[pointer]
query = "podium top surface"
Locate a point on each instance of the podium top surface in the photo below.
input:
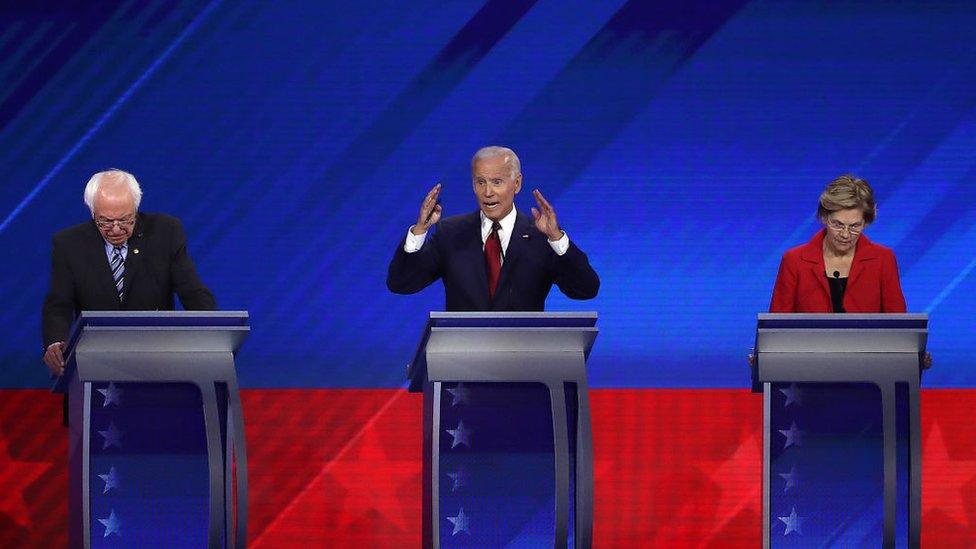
(121, 320)
(481, 332)
(134, 332)
(162, 318)
(494, 319)
(842, 321)
(841, 333)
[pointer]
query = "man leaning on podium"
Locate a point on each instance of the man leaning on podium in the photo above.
(497, 258)
(122, 259)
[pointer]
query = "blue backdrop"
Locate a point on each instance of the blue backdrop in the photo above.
(683, 145)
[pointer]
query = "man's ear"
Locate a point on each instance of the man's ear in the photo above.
(518, 183)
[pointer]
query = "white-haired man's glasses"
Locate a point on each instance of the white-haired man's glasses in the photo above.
(108, 224)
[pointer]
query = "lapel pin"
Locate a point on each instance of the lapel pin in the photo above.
(525, 236)
(135, 251)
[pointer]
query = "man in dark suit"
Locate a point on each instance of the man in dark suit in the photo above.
(120, 260)
(494, 259)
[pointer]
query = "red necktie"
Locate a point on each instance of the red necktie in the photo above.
(493, 259)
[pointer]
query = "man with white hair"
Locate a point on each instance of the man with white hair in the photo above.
(497, 258)
(122, 259)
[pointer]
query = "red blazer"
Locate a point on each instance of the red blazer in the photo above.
(872, 285)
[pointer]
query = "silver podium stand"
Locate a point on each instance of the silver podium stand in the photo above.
(508, 450)
(842, 435)
(156, 439)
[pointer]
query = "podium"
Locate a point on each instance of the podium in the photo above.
(508, 451)
(841, 428)
(156, 434)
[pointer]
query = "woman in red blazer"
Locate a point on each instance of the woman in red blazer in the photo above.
(840, 270)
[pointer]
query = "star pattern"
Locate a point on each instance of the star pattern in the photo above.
(659, 468)
(15, 477)
(461, 435)
(112, 395)
(460, 522)
(370, 479)
(794, 436)
(737, 476)
(112, 435)
(789, 478)
(112, 525)
(459, 478)
(946, 479)
(793, 522)
(792, 394)
(459, 394)
(111, 480)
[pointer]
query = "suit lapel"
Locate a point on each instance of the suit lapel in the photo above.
(813, 256)
(474, 256)
(865, 252)
(133, 258)
(516, 245)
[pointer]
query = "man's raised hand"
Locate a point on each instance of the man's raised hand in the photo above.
(430, 212)
(545, 217)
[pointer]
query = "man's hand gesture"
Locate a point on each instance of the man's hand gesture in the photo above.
(545, 217)
(430, 212)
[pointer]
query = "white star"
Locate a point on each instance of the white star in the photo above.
(792, 394)
(111, 394)
(113, 437)
(793, 522)
(461, 435)
(460, 479)
(459, 394)
(111, 480)
(112, 525)
(790, 479)
(460, 523)
(793, 436)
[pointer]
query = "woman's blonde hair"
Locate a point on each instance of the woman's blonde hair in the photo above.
(847, 192)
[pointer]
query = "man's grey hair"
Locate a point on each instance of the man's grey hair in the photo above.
(112, 176)
(495, 151)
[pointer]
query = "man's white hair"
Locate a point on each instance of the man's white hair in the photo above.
(112, 176)
(495, 151)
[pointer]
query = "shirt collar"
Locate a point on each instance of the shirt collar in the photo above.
(507, 223)
(109, 247)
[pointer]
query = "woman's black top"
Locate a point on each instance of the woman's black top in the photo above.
(837, 287)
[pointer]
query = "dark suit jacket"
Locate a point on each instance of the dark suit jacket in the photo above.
(454, 253)
(872, 285)
(157, 265)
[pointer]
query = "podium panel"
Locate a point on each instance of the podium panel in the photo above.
(508, 457)
(148, 465)
(842, 449)
(156, 432)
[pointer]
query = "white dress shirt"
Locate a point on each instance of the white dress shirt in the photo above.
(414, 242)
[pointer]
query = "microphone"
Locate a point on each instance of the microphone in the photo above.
(836, 274)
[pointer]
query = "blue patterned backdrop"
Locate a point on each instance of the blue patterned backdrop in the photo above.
(683, 144)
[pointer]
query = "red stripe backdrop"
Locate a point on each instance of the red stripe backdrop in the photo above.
(330, 467)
